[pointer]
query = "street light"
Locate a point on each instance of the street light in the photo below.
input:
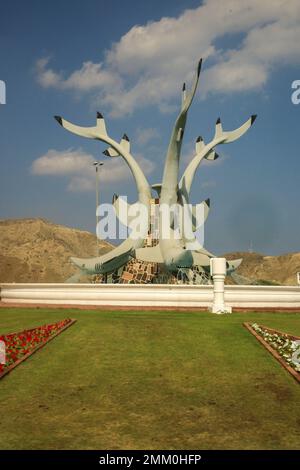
(97, 166)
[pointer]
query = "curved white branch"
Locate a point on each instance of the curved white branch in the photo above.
(121, 254)
(207, 152)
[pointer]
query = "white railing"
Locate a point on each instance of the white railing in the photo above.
(150, 295)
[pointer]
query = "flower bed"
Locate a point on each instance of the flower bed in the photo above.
(19, 346)
(284, 347)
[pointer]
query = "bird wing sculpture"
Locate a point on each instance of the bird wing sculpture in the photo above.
(122, 253)
(182, 252)
(207, 152)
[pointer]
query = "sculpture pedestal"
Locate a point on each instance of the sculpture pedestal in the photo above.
(218, 271)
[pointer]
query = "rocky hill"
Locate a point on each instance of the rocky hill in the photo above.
(269, 269)
(36, 250)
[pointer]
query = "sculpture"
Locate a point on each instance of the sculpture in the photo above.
(173, 252)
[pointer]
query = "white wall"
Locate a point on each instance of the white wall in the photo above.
(156, 295)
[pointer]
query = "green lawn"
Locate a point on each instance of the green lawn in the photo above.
(133, 380)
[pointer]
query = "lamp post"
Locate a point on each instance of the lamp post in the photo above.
(97, 166)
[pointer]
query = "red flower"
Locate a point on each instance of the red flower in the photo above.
(19, 344)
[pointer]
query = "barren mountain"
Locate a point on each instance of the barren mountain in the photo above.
(36, 250)
(273, 269)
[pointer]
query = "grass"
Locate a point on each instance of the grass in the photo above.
(154, 380)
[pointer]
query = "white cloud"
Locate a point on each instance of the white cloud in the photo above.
(66, 162)
(90, 76)
(46, 77)
(147, 64)
(78, 167)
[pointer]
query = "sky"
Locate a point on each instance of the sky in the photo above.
(128, 59)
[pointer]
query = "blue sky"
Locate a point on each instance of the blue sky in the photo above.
(128, 59)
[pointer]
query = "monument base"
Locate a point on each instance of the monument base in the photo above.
(219, 309)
